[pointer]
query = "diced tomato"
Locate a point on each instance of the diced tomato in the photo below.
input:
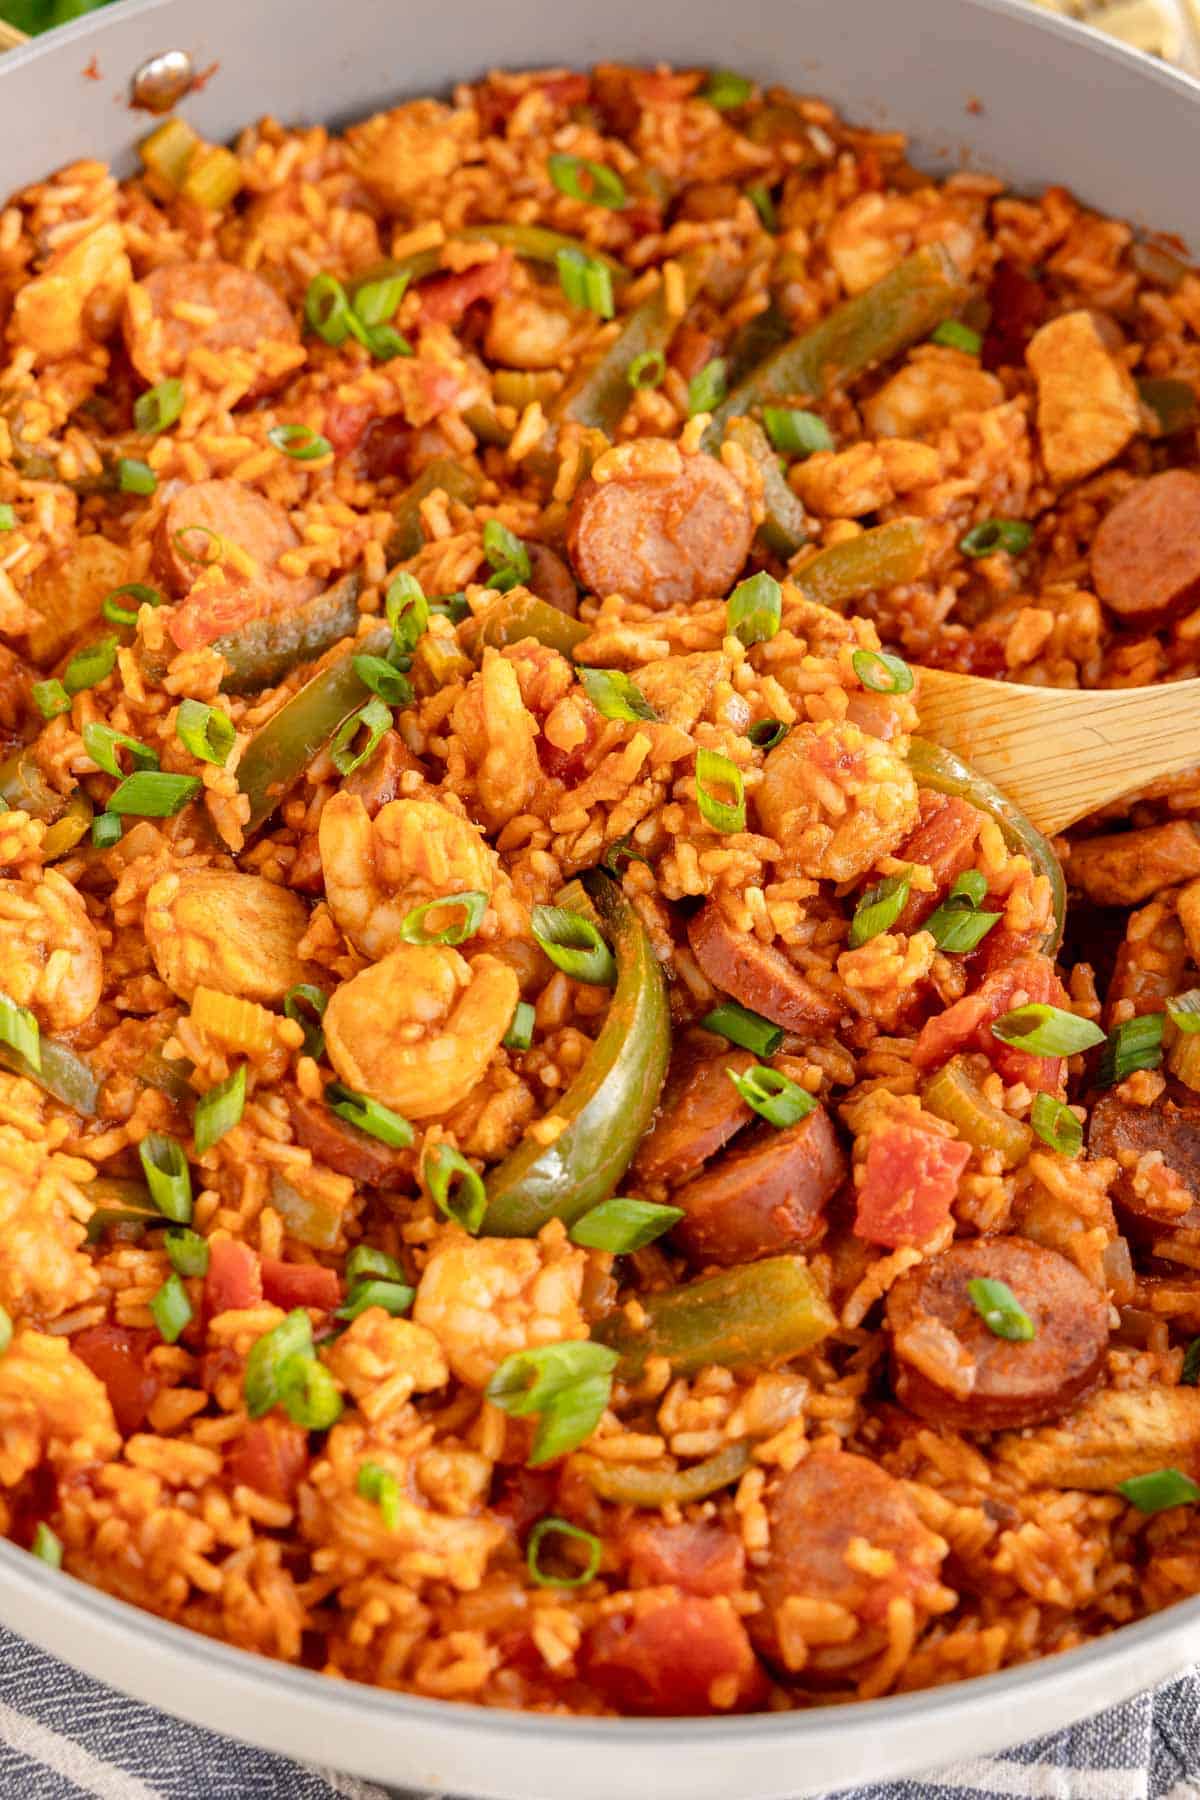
(700, 1559)
(345, 423)
(523, 1496)
(944, 841)
(911, 1179)
(691, 349)
(216, 1366)
(117, 1357)
(386, 447)
(300, 1284)
(684, 1658)
(270, 1456)
(234, 1279)
(211, 613)
(1018, 306)
(445, 298)
(967, 1025)
(1002, 945)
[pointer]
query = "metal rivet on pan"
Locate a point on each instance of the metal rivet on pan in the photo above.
(162, 81)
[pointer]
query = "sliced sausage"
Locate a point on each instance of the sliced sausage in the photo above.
(766, 1195)
(703, 1559)
(211, 305)
(346, 1150)
(758, 975)
(551, 580)
(227, 510)
(816, 1513)
(1123, 868)
(1168, 1131)
(681, 1657)
(943, 842)
(1146, 554)
(661, 541)
(950, 1368)
(699, 1112)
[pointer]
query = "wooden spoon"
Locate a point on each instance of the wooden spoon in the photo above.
(1059, 753)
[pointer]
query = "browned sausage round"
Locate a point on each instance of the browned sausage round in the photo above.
(758, 975)
(223, 308)
(816, 1513)
(661, 542)
(699, 1112)
(347, 1150)
(1146, 554)
(237, 515)
(949, 1368)
(1128, 1133)
(551, 580)
(767, 1194)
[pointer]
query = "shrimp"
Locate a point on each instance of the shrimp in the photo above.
(877, 231)
(417, 1030)
(377, 870)
(527, 332)
(76, 296)
(492, 720)
(236, 933)
(50, 956)
(486, 1298)
(932, 388)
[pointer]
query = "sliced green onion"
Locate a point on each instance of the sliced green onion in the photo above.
(456, 1188)
(1159, 1490)
(51, 698)
(614, 695)
(707, 388)
(795, 432)
(305, 1006)
(881, 672)
(47, 1546)
(380, 1486)
(767, 733)
(1183, 1010)
(375, 302)
(570, 1419)
(624, 1225)
(159, 406)
(1137, 1044)
(1011, 535)
(526, 1382)
(472, 904)
(594, 182)
(268, 1356)
(375, 718)
(969, 889)
(6, 1329)
(952, 334)
(759, 196)
(879, 909)
(218, 1111)
(715, 770)
(621, 851)
(167, 1176)
(560, 1528)
(407, 611)
(959, 929)
(391, 684)
(743, 1027)
(187, 1253)
(1046, 1030)
(102, 743)
(135, 476)
(8, 517)
(1189, 1375)
(206, 732)
(384, 342)
(300, 442)
(327, 309)
(139, 593)
(455, 607)
(171, 1308)
(754, 609)
(1000, 1310)
(395, 1297)
(507, 557)
(309, 1393)
(90, 665)
(725, 90)
(150, 794)
(647, 370)
(519, 1035)
(586, 281)
(574, 945)
(365, 1260)
(19, 1030)
(1056, 1125)
(772, 1096)
(369, 1115)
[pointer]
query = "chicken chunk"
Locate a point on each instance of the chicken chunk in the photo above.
(1113, 1435)
(236, 933)
(1087, 407)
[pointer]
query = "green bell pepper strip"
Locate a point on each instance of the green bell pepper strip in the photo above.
(26, 789)
(532, 243)
(883, 557)
(746, 1317)
(610, 1103)
(120, 1202)
(946, 773)
(460, 483)
(280, 751)
(520, 614)
(64, 1075)
(900, 309)
(782, 529)
(753, 342)
(263, 652)
(1173, 404)
(628, 1485)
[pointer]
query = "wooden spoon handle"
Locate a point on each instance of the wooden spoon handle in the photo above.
(1061, 752)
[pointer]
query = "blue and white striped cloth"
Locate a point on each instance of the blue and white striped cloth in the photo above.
(63, 1735)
